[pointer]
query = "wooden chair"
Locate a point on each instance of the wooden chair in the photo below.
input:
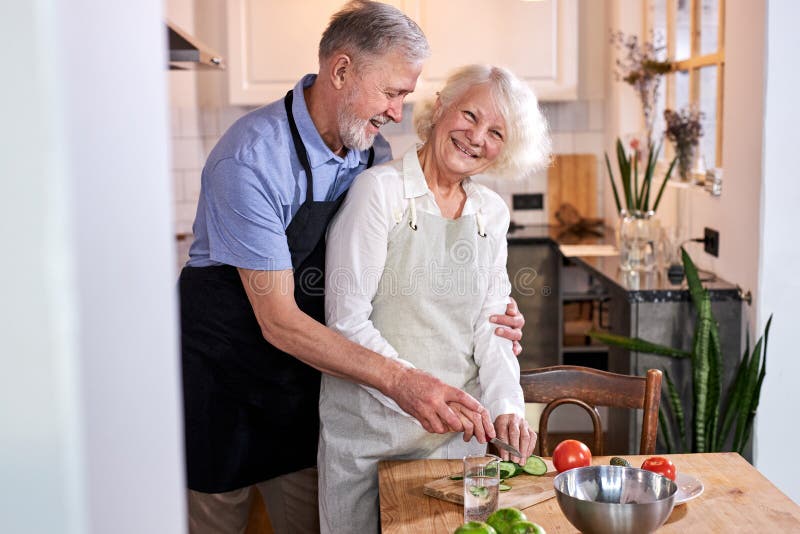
(589, 388)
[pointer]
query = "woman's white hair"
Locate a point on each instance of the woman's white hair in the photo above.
(527, 142)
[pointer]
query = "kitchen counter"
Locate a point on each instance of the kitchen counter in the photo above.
(653, 286)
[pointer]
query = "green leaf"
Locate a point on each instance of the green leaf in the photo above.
(756, 392)
(700, 371)
(625, 175)
(733, 399)
(637, 345)
(696, 289)
(651, 167)
(664, 184)
(746, 392)
(666, 433)
(676, 406)
(714, 386)
(613, 184)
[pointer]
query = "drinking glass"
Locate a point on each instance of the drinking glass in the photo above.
(481, 485)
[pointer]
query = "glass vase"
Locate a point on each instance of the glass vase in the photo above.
(687, 155)
(638, 235)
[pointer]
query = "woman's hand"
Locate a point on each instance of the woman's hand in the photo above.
(473, 423)
(513, 321)
(515, 431)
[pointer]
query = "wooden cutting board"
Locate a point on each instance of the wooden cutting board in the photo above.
(572, 178)
(526, 490)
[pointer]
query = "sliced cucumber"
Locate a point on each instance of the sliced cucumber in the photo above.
(480, 492)
(504, 487)
(535, 466)
(456, 477)
(507, 469)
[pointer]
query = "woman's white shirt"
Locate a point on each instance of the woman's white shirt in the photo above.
(357, 239)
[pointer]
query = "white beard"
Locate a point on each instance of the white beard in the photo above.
(352, 129)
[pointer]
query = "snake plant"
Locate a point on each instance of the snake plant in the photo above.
(711, 421)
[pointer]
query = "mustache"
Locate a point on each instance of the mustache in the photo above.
(380, 119)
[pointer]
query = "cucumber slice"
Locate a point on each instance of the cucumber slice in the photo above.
(504, 487)
(535, 466)
(456, 477)
(480, 492)
(507, 469)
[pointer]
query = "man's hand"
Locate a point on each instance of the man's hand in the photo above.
(514, 321)
(472, 422)
(515, 431)
(426, 398)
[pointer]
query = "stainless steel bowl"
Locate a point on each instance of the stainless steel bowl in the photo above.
(608, 499)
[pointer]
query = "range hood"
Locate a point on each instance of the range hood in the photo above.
(187, 53)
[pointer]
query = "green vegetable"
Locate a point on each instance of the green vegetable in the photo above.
(456, 477)
(504, 487)
(535, 466)
(479, 491)
(507, 469)
(622, 462)
(502, 519)
(475, 527)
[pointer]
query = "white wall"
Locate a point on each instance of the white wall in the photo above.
(89, 389)
(736, 213)
(777, 433)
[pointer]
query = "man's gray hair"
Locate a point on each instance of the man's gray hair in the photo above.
(368, 30)
(527, 142)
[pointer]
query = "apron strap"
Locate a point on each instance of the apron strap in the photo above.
(481, 223)
(299, 147)
(413, 221)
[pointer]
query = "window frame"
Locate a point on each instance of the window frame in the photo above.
(695, 61)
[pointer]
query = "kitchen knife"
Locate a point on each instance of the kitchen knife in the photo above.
(503, 445)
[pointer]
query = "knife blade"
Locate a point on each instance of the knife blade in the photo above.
(503, 445)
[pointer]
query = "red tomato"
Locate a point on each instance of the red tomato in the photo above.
(571, 453)
(662, 466)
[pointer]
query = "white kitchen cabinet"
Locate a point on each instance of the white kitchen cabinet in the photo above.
(272, 43)
(538, 41)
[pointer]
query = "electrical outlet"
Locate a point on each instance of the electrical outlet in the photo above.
(528, 201)
(711, 242)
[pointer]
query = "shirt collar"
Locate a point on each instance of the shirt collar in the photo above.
(318, 151)
(414, 184)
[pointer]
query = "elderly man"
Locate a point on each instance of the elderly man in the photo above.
(252, 292)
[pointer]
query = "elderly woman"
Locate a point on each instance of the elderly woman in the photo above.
(416, 264)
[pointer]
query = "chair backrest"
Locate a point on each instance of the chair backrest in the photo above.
(589, 388)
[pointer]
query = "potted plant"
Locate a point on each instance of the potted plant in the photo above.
(684, 129)
(638, 228)
(703, 423)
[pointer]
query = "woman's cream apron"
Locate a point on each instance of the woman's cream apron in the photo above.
(433, 287)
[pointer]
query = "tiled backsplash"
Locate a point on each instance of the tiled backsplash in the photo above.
(576, 128)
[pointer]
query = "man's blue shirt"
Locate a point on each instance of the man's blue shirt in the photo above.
(253, 184)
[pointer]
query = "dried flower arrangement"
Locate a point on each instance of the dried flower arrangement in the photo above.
(684, 128)
(641, 68)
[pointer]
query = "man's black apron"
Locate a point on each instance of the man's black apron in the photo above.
(251, 410)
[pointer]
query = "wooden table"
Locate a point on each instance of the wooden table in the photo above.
(737, 498)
